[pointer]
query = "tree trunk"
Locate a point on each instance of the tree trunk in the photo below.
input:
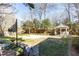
(29, 30)
(2, 32)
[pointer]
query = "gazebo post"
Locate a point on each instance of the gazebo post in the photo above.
(66, 30)
(55, 32)
(60, 31)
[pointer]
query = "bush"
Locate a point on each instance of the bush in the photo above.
(19, 51)
(16, 48)
(12, 40)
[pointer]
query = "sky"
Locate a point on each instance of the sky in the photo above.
(21, 11)
(53, 11)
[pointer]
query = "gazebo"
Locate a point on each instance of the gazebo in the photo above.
(63, 29)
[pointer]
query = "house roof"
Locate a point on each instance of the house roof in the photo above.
(12, 28)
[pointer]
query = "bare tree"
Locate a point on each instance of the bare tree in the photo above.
(77, 9)
(43, 7)
(4, 13)
(31, 7)
(1, 28)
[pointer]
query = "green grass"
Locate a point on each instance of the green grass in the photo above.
(53, 47)
(6, 40)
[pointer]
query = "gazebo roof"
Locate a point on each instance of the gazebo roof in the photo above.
(61, 26)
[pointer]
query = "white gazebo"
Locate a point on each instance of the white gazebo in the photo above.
(63, 29)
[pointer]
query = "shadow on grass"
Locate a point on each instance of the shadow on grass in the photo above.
(53, 47)
(76, 44)
(57, 47)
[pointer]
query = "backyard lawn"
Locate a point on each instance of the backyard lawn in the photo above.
(53, 47)
(47, 47)
(31, 42)
(5, 40)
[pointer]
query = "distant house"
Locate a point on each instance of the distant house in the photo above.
(12, 29)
